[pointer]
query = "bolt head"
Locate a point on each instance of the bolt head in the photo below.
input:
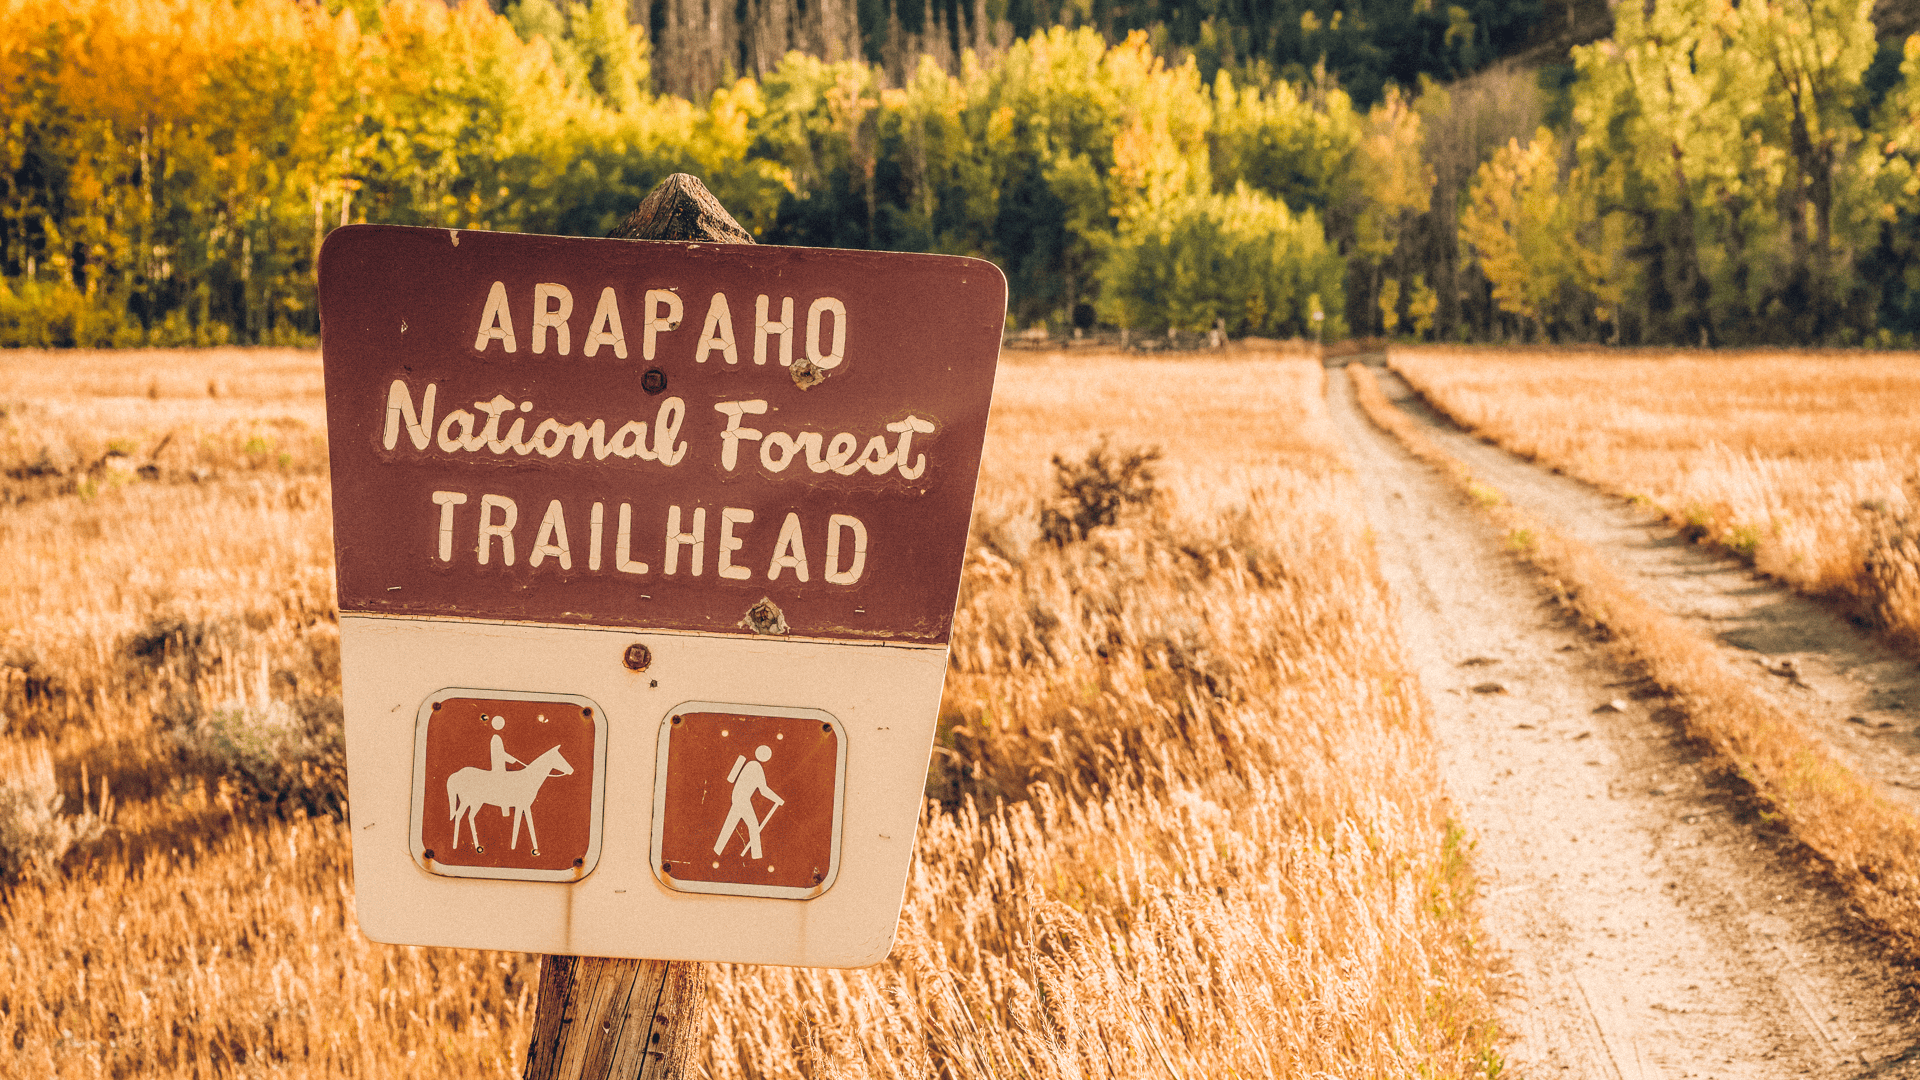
(637, 657)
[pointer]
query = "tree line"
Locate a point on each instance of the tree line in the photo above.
(1730, 174)
(1367, 44)
(169, 168)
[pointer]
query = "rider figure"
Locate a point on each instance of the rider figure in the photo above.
(500, 755)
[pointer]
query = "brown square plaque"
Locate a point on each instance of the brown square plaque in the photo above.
(747, 800)
(508, 785)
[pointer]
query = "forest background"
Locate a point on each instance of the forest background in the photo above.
(1671, 171)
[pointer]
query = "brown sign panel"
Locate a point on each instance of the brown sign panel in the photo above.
(661, 435)
(748, 800)
(508, 785)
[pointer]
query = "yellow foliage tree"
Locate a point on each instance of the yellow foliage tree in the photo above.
(1527, 227)
(184, 159)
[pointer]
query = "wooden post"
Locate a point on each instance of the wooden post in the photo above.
(604, 1018)
(601, 1018)
(681, 208)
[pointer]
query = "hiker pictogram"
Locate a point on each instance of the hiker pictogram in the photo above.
(535, 759)
(748, 779)
(747, 800)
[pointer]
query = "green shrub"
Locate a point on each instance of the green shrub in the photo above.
(1243, 258)
(288, 754)
(46, 315)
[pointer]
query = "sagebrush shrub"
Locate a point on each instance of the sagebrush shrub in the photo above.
(34, 834)
(285, 753)
(1092, 493)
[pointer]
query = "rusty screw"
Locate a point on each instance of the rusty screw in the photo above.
(654, 381)
(637, 657)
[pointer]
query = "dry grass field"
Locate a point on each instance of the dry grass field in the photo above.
(1183, 819)
(1807, 462)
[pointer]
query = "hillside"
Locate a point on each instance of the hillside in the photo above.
(1364, 44)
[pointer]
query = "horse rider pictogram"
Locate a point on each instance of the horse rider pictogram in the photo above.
(512, 790)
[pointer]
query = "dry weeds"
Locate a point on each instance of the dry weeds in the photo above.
(1871, 846)
(1808, 463)
(1184, 819)
(83, 422)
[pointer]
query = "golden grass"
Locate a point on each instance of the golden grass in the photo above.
(1807, 462)
(247, 374)
(1871, 845)
(1185, 821)
(84, 422)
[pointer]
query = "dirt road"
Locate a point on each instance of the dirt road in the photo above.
(1863, 699)
(1653, 924)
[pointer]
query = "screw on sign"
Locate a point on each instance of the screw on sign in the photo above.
(724, 775)
(508, 787)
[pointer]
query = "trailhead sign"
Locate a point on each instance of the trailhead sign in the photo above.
(647, 556)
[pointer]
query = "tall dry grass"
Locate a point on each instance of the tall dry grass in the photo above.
(84, 422)
(1871, 846)
(1808, 463)
(142, 591)
(1184, 819)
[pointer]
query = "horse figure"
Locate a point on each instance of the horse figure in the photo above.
(513, 792)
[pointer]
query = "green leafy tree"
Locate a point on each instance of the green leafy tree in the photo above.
(1813, 54)
(1298, 143)
(821, 124)
(1363, 174)
(1242, 258)
(1728, 135)
(1893, 262)
(1080, 136)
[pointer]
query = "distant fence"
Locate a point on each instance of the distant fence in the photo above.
(1181, 341)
